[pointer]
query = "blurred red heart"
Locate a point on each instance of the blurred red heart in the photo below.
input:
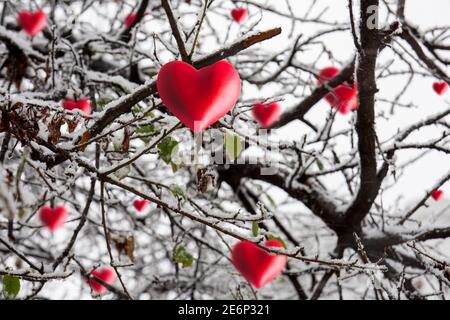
(266, 114)
(344, 97)
(53, 218)
(140, 204)
(440, 87)
(437, 194)
(129, 20)
(32, 22)
(198, 98)
(239, 14)
(256, 265)
(83, 104)
(107, 275)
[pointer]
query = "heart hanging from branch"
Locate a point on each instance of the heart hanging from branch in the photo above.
(32, 22)
(53, 218)
(256, 265)
(344, 97)
(198, 98)
(266, 114)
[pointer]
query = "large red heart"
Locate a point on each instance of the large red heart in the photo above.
(437, 194)
(266, 114)
(344, 97)
(198, 98)
(239, 14)
(440, 87)
(107, 275)
(32, 22)
(256, 265)
(140, 204)
(83, 104)
(53, 218)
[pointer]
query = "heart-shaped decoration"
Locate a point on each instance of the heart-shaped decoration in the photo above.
(140, 204)
(32, 22)
(344, 97)
(53, 218)
(106, 274)
(198, 98)
(440, 87)
(129, 20)
(83, 105)
(256, 265)
(239, 14)
(437, 194)
(266, 114)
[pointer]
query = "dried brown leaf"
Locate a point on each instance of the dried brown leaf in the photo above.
(54, 129)
(126, 140)
(85, 138)
(16, 66)
(71, 125)
(124, 244)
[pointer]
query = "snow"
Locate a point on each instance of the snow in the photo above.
(155, 237)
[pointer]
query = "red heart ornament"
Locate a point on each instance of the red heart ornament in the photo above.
(440, 87)
(239, 14)
(129, 20)
(140, 204)
(83, 104)
(107, 275)
(198, 98)
(32, 22)
(256, 265)
(437, 194)
(344, 98)
(53, 218)
(266, 114)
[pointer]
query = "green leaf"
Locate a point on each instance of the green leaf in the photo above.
(11, 287)
(20, 167)
(122, 172)
(272, 202)
(166, 147)
(177, 191)
(117, 147)
(233, 146)
(148, 130)
(183, 257)
(292, 164)
(119, 90)
(152, 73)
(255, 228)
(319, 164)
(275, 237)
(103, 102)
(174, 167)
(21, 213)
(136, 109)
